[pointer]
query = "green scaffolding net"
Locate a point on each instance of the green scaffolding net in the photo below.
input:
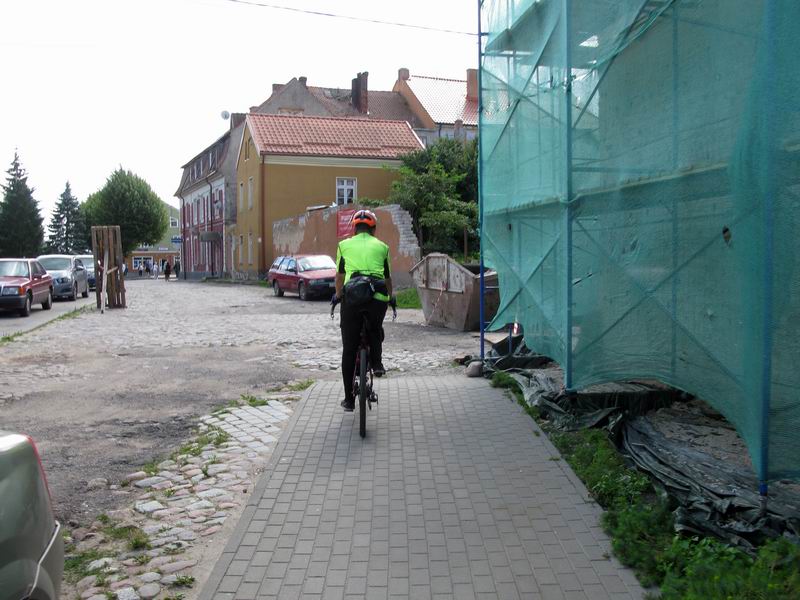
(640, 188)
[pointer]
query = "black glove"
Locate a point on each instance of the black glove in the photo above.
(393, 301)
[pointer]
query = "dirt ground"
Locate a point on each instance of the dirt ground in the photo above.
(103, 394)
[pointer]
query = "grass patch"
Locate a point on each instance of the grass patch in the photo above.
(706, 568)
(151, 468)
(253, 401)
(641, 526)
(184, 581)
(408, 298)
(7, 339)
(214, 436)
(301, 385)
(134, 538)
(76, 566)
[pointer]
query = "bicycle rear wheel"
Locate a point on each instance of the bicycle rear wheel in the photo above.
(362, 392)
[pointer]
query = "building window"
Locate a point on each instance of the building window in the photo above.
(173, 222)
(218, 205)
(346, 190)
(424, 140)
(250, 193)
(249, 248)
(241, 249)
(247, 149)
(200, 211)
(194, 212)
(241, 196)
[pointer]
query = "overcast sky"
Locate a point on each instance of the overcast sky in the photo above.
(89, 85)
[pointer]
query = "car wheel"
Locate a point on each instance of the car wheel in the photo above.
(74, 295)
(26, 310)
(276, 288)
(85, 293)
(302, 291)
(48, 304)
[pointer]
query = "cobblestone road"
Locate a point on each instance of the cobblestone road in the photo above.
(130, 384)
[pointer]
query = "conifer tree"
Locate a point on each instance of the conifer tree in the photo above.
(66, 226)
(21, 231)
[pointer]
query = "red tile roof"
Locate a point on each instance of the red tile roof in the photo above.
(445, 100)
(381, 105)
(297, 135)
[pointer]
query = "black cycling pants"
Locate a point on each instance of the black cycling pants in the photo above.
(351, 320)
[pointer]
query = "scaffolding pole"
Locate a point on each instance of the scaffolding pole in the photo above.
(768, 135)
(568, 367)
(482, 308)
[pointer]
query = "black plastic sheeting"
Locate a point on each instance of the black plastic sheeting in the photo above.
(714, 497)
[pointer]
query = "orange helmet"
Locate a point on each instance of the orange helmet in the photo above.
(366, 217)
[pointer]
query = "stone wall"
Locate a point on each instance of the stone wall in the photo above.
(315, 232)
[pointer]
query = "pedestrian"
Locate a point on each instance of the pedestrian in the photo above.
(140, 269)
(177, 268)
(155, 270)
(147, 268)
(167, 270)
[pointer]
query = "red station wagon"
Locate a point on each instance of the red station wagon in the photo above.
(24, 282)
(307, 274)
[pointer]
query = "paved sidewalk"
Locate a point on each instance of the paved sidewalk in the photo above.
(451, 495)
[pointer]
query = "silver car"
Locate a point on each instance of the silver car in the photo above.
(31, 546)
(69, 275)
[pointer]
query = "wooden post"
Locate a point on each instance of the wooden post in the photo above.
(107, 247)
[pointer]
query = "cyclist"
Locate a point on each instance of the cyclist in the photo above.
(362, 263)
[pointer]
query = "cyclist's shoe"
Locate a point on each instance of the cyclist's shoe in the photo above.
(379, 370)
(348, 404)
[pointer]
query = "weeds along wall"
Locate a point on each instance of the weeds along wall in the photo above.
(640, 188)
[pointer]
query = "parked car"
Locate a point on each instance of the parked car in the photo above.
(88, 263)
(69, 275)
(308, 275)
(24, 282)
(31, 546)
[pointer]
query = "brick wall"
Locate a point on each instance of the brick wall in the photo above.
(316, 233)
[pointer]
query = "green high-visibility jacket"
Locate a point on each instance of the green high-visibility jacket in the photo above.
(366, 255)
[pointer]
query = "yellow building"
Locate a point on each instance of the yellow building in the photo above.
(287, 163)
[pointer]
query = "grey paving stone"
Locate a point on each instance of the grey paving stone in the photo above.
(449, 496)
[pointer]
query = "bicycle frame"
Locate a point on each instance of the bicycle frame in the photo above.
(362, 374)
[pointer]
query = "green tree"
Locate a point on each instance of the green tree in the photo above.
(66, 228)
(21, 231)
(438, 187)
(128, 200)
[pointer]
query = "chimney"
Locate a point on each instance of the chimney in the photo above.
(302, 79)
(237, 119)
(254, 109)
(359, 94)
(403, 74)
(472, 84)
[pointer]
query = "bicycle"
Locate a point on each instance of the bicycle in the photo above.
(363, 374)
